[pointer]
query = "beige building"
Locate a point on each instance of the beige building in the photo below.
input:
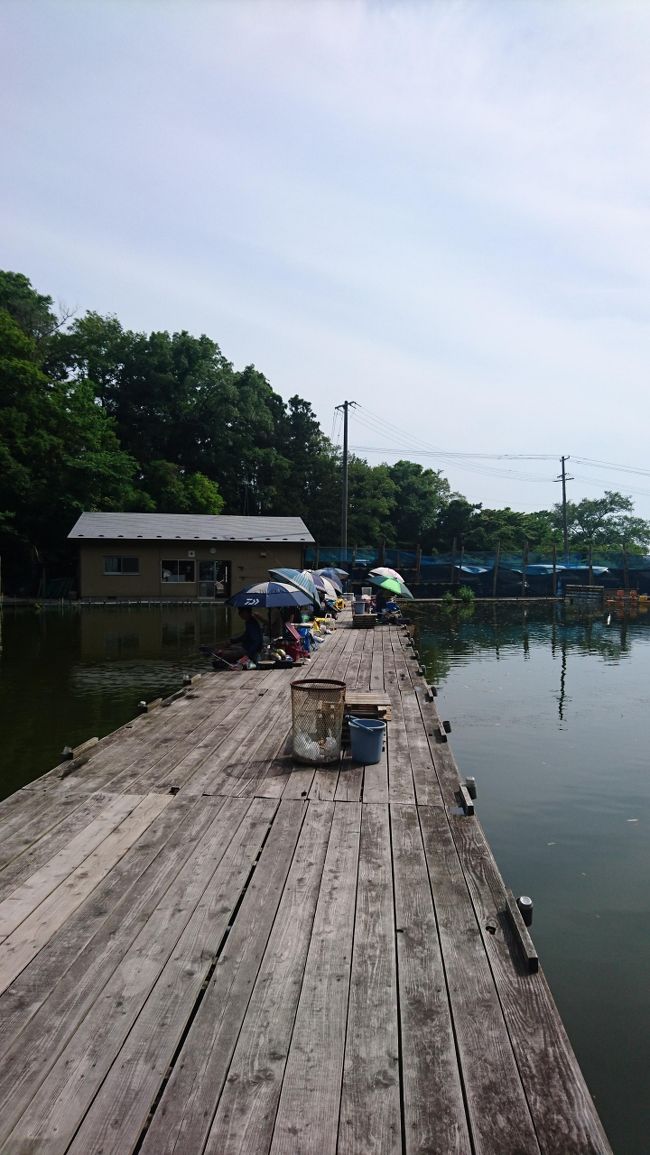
(182, 556)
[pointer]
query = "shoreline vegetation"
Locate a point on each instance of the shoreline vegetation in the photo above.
(96, 416)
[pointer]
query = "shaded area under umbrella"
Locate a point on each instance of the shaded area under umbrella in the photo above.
(390, 586)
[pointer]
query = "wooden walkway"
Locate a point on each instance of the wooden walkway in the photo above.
(206, 948)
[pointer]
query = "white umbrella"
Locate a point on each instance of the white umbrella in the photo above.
(386, 571)
(325, 585)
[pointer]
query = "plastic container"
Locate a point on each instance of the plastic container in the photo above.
(317, 707)
(359, 606)
(366, 739)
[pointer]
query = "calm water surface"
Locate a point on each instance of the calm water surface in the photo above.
(549, 712)
(70, 674)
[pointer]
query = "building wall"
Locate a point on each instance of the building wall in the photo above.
(249, 563)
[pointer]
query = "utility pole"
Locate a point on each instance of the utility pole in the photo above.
(344, 492)
(564, 477)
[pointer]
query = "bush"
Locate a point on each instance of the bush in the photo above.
(466, 595)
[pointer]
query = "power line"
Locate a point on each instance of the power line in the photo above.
(610, 465)
(476, 463)
(462, 463)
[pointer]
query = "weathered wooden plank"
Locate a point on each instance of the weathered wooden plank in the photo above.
(427, 789)
(119, 1112)
(434, 1110)
(90, 1025)
(228, 760)
(246, 1112)
(566, 1120)
(526, 946)
(364, 649)
(29, 938)
(498, 1112)
(42, 1009)
(48, 845)
(24, 898)
(349, 787)
(370, 1097)
(308, 1111)
(148, 740)
(400, 772)
(181, 759)
(36, 812)
(58, 1107)
(325, 782)
(377, 662)
(115, 766)
(118, 904)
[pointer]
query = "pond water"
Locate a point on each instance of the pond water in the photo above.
(72, 673)
(549, 712)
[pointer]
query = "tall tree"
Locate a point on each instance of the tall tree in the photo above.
(420, 497)
(607, 522)
(58, 451)
(371, 505)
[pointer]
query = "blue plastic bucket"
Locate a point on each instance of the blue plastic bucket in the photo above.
(366, 739)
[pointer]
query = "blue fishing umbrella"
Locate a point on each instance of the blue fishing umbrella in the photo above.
(269, 595)
(325, 586)
(332, 574)
(300, 578)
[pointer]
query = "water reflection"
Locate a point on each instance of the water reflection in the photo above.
(549, 713)
(68, 673)
(472, 629)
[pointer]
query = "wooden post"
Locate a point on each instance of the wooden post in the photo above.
(626, 574)
(462, 556)
(590, 578)
(418, 562)
(497, 559)
(382, 552)
(524, 567)
(452, 568)
(554, 586)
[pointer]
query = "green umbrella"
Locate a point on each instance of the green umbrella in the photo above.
(390, 585)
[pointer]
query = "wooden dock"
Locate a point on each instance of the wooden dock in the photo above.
(208, 948)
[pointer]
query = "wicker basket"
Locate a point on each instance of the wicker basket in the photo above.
(317, 707)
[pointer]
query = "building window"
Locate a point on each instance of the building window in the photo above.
(177, 570)
(121, 565)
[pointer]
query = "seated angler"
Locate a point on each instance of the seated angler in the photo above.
(247, 645)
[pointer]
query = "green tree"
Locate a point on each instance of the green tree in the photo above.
(31, 311)
(456, 523)
(607, 522)
(58, 450)
(371, 504)
(421, 495)
(166, 488)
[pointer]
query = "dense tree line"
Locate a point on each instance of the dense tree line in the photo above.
(94, 416)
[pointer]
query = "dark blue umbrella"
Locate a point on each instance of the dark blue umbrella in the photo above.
(301, 578)
(269, 596)
(332, 576)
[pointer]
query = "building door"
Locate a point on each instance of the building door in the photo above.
(214, 579)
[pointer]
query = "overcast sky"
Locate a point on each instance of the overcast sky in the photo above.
(437, 209)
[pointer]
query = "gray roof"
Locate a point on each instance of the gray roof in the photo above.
(188, 527)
